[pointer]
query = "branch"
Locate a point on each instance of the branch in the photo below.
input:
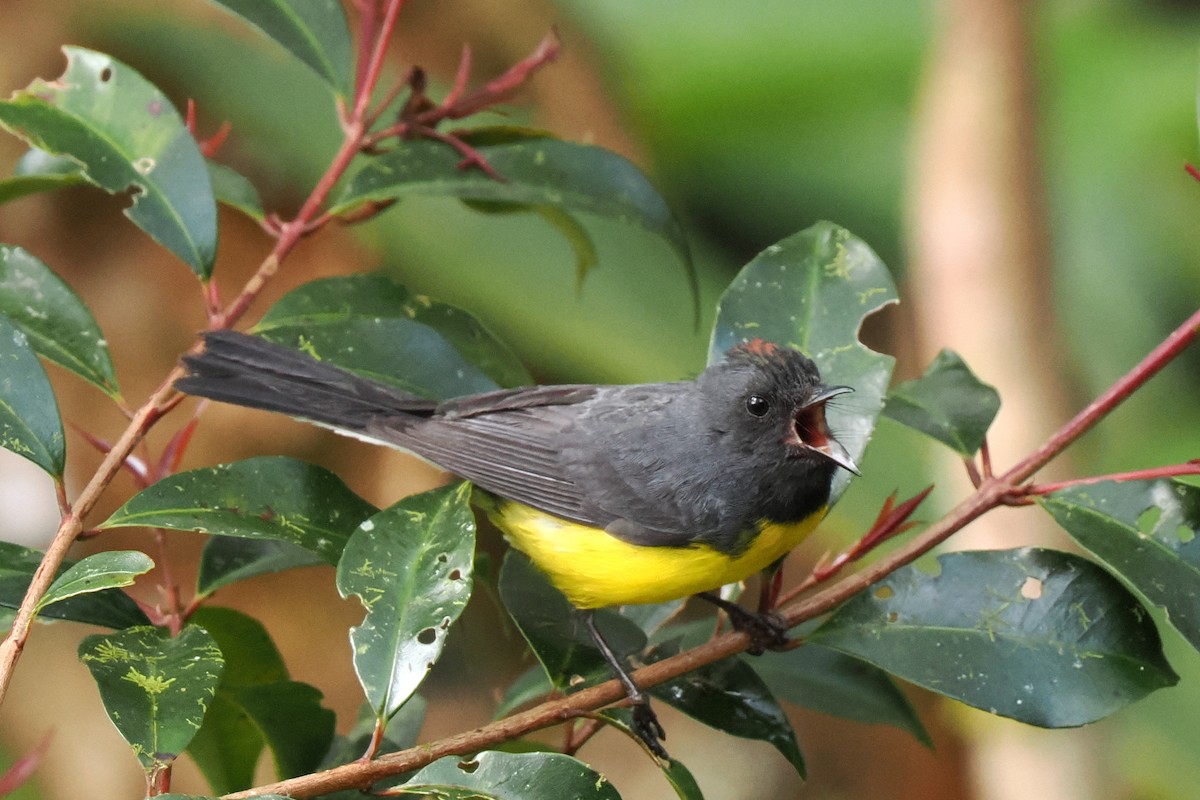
(165, 397)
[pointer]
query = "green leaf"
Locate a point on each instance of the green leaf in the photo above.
(557, 636)
(730, 697)
(56, 322)
(233, 189)
(531, 685)
(127, 137)
(410, 564)
(650, 617)
(537, 171)
(832, 683)
(1044, 637)
(95, 573)
(270, 497)
(225, 560)
(1147, 531)
(256, 706)
(109, 608)
(812, 292)
(29, 421)
(679, 776)
(155, 687)
(314, 31)
(493, 775)
(947, 403)
(38, 171)
(332, 302)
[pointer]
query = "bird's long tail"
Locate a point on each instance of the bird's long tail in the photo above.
(250, 371)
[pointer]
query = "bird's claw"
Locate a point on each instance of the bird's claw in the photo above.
(767, 630)
(648, 728)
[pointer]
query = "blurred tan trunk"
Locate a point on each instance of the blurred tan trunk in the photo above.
(981, 283)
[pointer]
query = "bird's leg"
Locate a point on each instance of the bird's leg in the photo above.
(645, 721)
(767, 630)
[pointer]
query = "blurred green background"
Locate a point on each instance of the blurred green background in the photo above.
(754, 120)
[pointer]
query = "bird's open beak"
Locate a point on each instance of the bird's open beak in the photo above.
(810, 432)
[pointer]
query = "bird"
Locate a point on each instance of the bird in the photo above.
(619, 494)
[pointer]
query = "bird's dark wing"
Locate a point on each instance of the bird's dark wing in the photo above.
(506, 442)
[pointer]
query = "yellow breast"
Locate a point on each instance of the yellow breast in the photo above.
(594, 569)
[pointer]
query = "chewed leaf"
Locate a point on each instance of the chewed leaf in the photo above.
(126, 137)
(492, 775)
(38, 171)
(812, 291)
(947, 403)
(1149, 532)
(1040, 636)
(411, 566)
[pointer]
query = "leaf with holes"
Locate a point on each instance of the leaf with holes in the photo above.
(812, 292)
(313, 31)
(730, 697)
(332, 302)
(29, 422)
(947, 403)
(1148, 532)
(95, 573)
(54, 319)
(108, 608)
(554, 630)
(155, 687)
(126, 137)
(493, 775)
(269, 497)
(410, 565)
(256, 706)
(38, 171)
(1040, 636)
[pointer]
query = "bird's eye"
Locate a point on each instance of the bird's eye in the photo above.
(757, 405)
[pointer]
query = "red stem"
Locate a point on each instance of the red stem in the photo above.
(1172, 471)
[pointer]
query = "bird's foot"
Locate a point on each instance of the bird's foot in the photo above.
(648, 728)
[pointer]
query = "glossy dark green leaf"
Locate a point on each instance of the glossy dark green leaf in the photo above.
(650, 617)
(38, 171)
(110, 569)
(128, 138)
(1149, 533)
(677, 775)
(331, 302)
(226, 559)
(399, 352)
(270, 497)
(537, 171)
(493, 775)
(155, 687)
(730, 697)
(947, 403)
(554, 630)
(812, 291)
(256, 706)
(232, 189)
(1044, 637)
(410, 564)
(29, 421)
(314, 31)
(109, 608)
(54, 319)
(836, 684)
